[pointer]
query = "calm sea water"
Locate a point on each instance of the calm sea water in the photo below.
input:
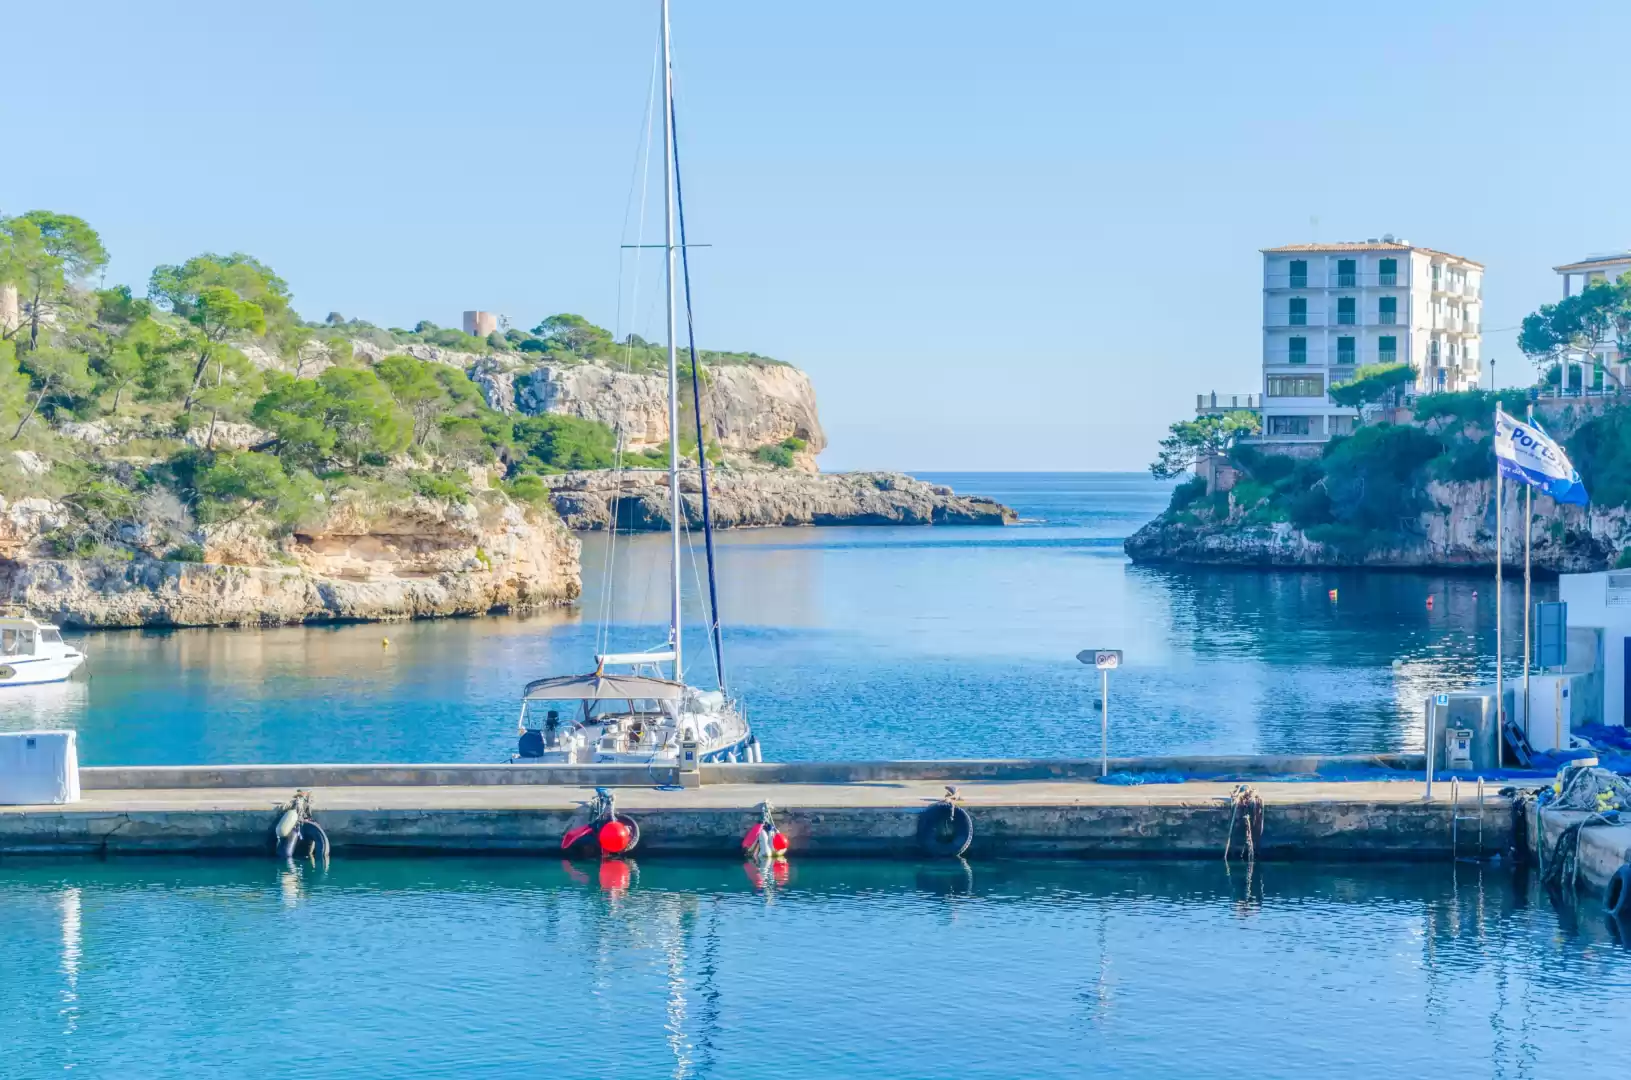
(512, 968)
(844, 643)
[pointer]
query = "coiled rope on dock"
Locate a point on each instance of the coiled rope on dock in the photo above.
(1588, 789)
(1247, 805)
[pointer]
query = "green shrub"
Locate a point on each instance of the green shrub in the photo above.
(528, 488)
(1467, 460)
(557, 443)
(1601, 450)
(1248, 493)
(1623, 560)
(778, 456)
(1186, 493)
(185, 553)
(448, 487)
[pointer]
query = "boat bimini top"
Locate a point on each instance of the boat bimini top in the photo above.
(599, 686)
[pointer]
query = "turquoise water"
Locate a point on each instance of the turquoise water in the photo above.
(845, 643)
(524, 968)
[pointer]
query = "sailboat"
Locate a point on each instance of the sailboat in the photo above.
(646, 714)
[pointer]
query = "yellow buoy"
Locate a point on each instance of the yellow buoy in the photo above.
(385, 643)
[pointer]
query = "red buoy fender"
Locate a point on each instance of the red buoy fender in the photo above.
(753, 836)
(575, 836)
(778, 842)
(614, 837)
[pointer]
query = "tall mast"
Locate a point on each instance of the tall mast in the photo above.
(674, 504)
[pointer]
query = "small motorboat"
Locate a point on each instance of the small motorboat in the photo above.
(32, 651)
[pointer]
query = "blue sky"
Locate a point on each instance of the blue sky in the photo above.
(998, 236)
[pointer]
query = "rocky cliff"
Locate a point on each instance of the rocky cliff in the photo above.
(1456, 531)
(781, 497)
(744, 406)
(411, 559)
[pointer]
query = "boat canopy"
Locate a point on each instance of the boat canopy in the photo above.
(600, 687)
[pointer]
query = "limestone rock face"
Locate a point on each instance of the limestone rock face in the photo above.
(407, 560)
(756, 498)
(1457, 530)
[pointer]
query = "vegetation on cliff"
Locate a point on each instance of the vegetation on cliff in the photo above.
(1374, 490)
(210, 401)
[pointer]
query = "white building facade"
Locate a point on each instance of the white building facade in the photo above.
(1329, 309)
(1577, 276)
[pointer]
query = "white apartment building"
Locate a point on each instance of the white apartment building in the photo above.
(1329, 309)
(1576, 276)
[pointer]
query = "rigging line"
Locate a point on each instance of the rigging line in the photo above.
(642, 176)
(696, 406)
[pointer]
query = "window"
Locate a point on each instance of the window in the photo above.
(1299, 273)
(1346, 277)
(1432, 354)
(1339, 425)
(1296, 386)
(53, 636)
(1297, 347)
(1299, 312)
(1387, 310)
(1345, 311)
(1438, 277)
(1345, 350)
(1387, 272)
(1288, 425)
(16, 642)
(1387, 350)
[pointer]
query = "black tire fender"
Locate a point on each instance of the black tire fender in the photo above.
(312, 834)
(634, 832)
(945, 830)
(1617, 896)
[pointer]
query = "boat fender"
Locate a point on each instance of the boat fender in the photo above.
(286, 845)
(287, 823)
(1617, 897)
(312, 834)
(945, 830)
(575, 836)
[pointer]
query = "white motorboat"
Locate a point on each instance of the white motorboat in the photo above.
(645, 716)
(32, 651)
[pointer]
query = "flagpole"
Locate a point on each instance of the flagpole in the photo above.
(1528, 527)
(1500, 692)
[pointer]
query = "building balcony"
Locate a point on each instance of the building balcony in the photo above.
(1293, 318)
(1334, 280)
(1216, 404)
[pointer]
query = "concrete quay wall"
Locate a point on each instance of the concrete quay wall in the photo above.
(1164, 821)
(1246, 767)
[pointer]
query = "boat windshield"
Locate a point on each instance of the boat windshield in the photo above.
(16, 641)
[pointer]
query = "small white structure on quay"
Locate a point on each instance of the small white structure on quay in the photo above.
(1602, 602)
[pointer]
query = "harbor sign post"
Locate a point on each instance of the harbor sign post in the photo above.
(1106, 660)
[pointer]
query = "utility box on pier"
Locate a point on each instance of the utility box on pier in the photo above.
(38, 767)
(1465, 730)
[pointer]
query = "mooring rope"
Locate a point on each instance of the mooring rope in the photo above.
(1245, 799)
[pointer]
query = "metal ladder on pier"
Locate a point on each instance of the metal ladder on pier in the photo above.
(1457, 817)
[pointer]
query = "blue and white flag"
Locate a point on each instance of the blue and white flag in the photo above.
(1525, 453)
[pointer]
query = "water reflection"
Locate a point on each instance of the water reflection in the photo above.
(692, 970)
(844, 643)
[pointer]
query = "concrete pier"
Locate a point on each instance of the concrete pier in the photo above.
(874, 817)
(1603, 848)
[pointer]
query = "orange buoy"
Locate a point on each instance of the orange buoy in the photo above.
(613, 837)
(1429, 601)
(1333, 595)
